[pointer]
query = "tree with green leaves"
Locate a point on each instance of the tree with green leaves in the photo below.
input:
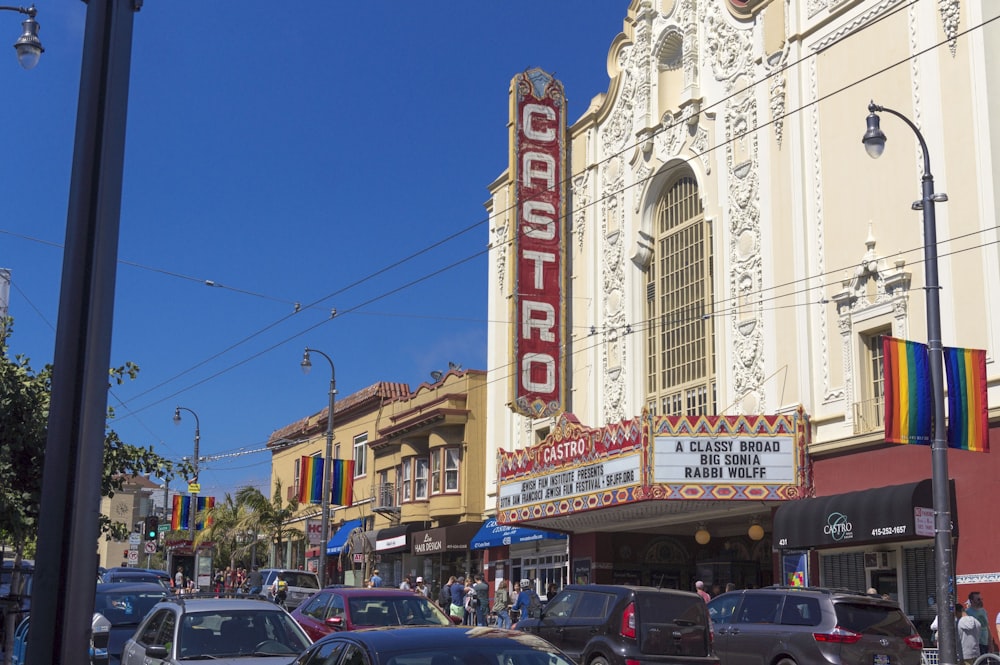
(24, 412)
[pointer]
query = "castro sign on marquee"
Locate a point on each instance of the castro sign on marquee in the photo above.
(538, 159)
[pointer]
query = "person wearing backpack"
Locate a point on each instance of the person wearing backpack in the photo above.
(501, 605)
(528, 603)
(280, 590)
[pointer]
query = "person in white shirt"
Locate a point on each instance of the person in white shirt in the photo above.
(968, 634)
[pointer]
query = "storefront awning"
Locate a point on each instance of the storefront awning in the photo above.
(394, 538)
(492, 534)
(454, 538)
(338, 540)
(883, 514)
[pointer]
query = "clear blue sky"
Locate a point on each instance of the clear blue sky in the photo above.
(286, 151)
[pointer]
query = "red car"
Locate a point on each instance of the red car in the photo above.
(347, 608)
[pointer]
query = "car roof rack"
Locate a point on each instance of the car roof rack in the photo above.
(820, 589)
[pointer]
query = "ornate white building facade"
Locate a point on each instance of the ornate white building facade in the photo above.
(731, 250)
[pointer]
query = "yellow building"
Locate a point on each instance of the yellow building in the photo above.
(417, 497)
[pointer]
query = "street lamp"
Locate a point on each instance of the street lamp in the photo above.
(194, 494)
(327, 463)
(29, 48)
(874, 141)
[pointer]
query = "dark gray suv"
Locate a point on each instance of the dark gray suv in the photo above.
(800, 625)
(610, 624)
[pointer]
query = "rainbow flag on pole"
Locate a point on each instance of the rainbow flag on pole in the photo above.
(204, 503)
(180, 513)
(968, 418)
(342, 490)
(909, 404)
(311, 480)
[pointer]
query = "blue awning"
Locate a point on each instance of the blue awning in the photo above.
(339, 539)
(492, 534)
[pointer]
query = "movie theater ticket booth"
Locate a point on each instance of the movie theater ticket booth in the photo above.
(653, 482)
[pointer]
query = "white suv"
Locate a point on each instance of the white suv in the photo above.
(301, 585)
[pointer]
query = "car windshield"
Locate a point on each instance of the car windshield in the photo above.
(396, 611)
(224, 633)
(503, 655)
(124, 608)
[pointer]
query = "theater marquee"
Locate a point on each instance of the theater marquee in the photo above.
(538, 131)
(653, 458)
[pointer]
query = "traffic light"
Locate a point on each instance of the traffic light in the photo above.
(152, 527)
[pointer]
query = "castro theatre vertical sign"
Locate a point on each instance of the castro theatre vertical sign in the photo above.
(538, 128)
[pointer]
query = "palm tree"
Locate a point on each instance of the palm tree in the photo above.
(270, 517)
(226, 523)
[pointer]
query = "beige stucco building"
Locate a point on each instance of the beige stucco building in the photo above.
(727, 248)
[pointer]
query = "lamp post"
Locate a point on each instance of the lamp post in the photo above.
(29, 48)
(62, 599)
(327, 463)
(874, 141)
(194, 481)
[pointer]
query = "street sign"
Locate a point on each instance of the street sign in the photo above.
(133, 556)
(194, 488)
(149, 547)
(359, 558)
(134, 539)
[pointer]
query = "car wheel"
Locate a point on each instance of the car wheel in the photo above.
(598, 660)
(786, 661)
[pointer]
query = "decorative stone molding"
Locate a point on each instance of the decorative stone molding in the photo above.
(774, 65)
(581, 203)
(950, 18)
(500, 245)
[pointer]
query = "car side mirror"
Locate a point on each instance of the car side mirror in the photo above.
(337, 623)
(156, 651)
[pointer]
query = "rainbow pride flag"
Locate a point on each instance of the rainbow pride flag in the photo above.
(180, 514)
(204, 503)
(909, 405)
(968, 420)
(342, 491)
(311, 479)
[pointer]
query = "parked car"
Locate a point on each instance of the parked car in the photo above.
(135, 577)
(17, 598)
(610, 624)
(348, 608)
(417, 645)
(797, 625)
(301, 585)
(241, 631)
(125, 605)
(118, 609)
(162, 575)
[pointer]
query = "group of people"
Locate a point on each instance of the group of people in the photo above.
(230, 580)
(468, 599)
(973, 633)
(699, 588)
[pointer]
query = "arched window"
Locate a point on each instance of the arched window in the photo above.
(680, 338)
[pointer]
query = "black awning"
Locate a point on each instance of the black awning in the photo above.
(883, 514)
(396, 538)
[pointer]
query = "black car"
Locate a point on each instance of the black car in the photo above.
(799, 625)
(437, 645)
(610, 624)
(162, 576)
(125, 606)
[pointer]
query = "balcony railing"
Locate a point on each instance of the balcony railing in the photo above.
(384, 495)
(868, 416)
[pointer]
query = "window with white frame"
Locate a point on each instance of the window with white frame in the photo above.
(295, 480)
(436, 471)
(420, 467)
(406, 478)
(451, 461)
(360, 454)
(870, 397)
